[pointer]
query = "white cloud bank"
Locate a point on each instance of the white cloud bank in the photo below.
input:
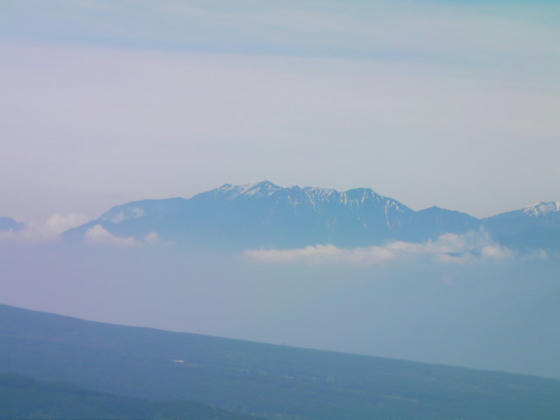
(46, 230)
(99, 235)
(50, 230)
(57, 223)
(448, 248)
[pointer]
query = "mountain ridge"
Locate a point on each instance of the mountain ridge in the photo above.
(265, 215)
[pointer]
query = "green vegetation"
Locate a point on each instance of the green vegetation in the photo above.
(271, 381)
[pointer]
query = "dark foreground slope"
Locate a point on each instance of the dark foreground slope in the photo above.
(271, 381)
(24, 397)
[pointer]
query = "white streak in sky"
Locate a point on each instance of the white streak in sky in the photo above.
(448, 248)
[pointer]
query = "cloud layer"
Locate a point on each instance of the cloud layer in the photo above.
(99, 235)
(46, 230)
(51, 229)
(448, 248)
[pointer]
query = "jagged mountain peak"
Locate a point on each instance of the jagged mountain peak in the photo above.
(257, 188)
(354, 196)
(357, 196)
(264, 214)
(542, 208)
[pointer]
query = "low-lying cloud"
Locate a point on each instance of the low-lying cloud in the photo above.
(448, 248)
(99, 235)
(44, 231)
(50, 230)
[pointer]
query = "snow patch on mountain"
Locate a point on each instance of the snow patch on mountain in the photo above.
(542, 208)
(265, 214)
(122, 214)
(258, 189)
(315, 195)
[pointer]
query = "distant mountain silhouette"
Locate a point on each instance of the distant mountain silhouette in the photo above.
(8, 224)
(536, 226)
(264, 215)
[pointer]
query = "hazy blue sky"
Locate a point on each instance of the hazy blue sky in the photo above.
(452, 103)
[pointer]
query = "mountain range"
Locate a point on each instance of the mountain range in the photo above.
(265, 215)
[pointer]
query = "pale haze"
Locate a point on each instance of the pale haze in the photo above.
(370, 177)
(106, 102)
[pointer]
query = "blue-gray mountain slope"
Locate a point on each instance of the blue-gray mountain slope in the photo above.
(8, 224)
(536, 226)
(266, 215)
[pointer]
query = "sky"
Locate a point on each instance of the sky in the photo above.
(433, 102)
(448, 103)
